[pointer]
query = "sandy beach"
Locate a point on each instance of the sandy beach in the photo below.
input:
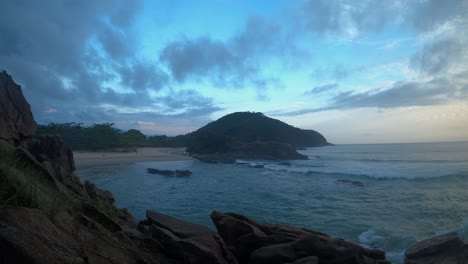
(85, 159)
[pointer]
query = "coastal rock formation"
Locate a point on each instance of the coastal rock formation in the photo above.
(187, 242)
(447, 249)
(16, 120)
(247, 135)
(48, 216)
(256, 243)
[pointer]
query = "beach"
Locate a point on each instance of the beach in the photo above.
(86, 159)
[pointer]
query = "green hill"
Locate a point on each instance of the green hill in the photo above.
(240, 128)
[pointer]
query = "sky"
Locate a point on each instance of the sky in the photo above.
(355, 71)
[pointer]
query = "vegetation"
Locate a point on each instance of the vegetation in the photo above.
(248, 127)
(105, 136)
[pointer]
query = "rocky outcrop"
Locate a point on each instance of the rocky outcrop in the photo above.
(187, 242)
(447, 249)
(256, 243)
(16, 120)
(178, 173)
(252, 151)
(51, 149)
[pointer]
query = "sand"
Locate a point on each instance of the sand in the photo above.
(85, 159)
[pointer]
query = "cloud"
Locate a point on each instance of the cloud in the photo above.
(79, 60)
(322, 88)
(437, 57)
(351, 18)
(437, 91)
(233, 63)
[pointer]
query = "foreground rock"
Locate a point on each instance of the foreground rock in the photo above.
(447, 249)
(187, 242)
(178, 173)
(16, 120)
(48, 216)
(256, 243)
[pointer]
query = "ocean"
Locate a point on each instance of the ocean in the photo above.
(385, 196)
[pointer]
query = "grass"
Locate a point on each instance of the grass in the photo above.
(105, 208)
(18, 190)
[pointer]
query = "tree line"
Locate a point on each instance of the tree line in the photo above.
(105, 136)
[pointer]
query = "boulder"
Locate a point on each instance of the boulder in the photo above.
(16, 120)
(53, 152)
(447, 249)
(178, 173)
(256, 243)
(188, 242)
(28, 236)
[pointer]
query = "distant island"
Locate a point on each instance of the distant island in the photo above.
(250, 135)
(240, 135)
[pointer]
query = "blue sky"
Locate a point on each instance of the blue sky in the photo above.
(356, 71)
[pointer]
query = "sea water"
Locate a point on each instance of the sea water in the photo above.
(402, 193)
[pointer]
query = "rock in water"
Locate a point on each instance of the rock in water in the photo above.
(447, 249)
(16, 120)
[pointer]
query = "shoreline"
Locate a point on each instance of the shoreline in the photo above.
(87, 159)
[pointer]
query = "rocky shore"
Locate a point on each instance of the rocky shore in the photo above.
(47, 215)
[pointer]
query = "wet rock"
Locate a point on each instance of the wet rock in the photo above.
(16, 120)
(256, 243)
(160, 172)
(447, 249)
(178, 173)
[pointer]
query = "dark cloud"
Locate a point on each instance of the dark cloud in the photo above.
(141, 76)
(437, 57)
(235, 63)
(322, 88)
(70, 55)
(437, 91)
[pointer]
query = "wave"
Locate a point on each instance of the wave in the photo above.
(394, 247)
(361, 176)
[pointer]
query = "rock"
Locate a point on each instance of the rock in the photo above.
(188, 242)
(306, 260)
(178, 173)
(52, 149)
(266, 151)
(160, 172)
(28, 236)
(98, 194)
(16, 120)
(256, 243)
(447, 249)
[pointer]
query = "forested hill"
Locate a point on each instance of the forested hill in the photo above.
(248, 127)
(105, 136)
